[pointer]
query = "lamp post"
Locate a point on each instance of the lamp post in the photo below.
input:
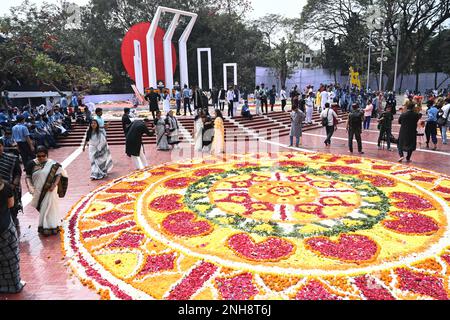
(381, 60)
(374, 22)
(368, 64)
(396, 56)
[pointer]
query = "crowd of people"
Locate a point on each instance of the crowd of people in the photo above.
(362, 106)
(26, 135)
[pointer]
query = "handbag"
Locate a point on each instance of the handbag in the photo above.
(63, 184)
(441, 122)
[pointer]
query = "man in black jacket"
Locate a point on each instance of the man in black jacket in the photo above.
(126, 121)
(153, 98)
(354, 128)
(134, 145)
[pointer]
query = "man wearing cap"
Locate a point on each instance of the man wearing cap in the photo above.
(21, 136)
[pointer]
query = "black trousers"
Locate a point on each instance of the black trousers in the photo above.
(264, 103)
(222, 106)
(283, 104)
(357, 134)
(385, 133)
(330, 132)
(230, 109)
(25, 152)
(187, 105)
(401, 153)
(178, 107)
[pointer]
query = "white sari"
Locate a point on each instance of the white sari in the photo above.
(50, 216)
(99, 156)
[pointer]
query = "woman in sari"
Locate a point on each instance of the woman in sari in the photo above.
(161, 133)
(43, 176)
(174, 130)
(218, 145)
(198, 139)
(9, 244)
(99, 154)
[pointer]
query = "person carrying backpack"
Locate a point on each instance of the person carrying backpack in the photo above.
(327, 116)
(354, 127)
(385, 127)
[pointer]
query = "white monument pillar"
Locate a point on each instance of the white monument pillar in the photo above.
(168, 65)
(225, 78)
(138, 72)
(199, 62)
(167, 47)
(151, 59)
(182, 47)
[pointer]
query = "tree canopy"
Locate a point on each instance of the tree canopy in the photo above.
(345, 22)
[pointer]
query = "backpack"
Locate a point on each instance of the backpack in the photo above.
(325, 120)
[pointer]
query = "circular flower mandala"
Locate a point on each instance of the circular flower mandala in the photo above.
(289, 226)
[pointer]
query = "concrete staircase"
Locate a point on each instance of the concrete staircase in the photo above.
(277, 124)
(266, 127)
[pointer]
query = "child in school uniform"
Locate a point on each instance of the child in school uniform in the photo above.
(421, 133)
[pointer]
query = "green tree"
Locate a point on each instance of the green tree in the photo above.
(38, 49)
(418, 22)
(220, 26)
(437, 55)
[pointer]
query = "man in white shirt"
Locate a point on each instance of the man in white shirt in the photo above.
(446, 115)
(324, 96)
(230, 99)
(309, 108)
(50, 104)
(331, 96)
(330, 115)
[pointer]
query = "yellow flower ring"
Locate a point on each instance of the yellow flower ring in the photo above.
(265, 226)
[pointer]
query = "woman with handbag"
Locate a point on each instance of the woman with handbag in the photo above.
(43, 177)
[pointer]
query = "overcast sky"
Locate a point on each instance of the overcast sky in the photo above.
(289, 8)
